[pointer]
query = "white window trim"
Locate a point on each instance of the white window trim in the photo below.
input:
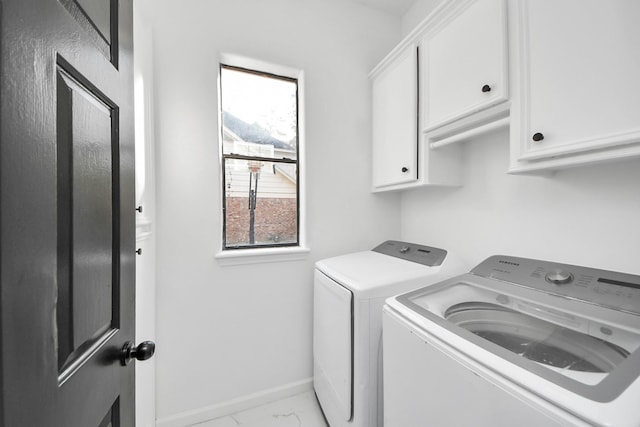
(270, 254)
(261, 255)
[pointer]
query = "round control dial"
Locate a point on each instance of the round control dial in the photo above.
(559, 277)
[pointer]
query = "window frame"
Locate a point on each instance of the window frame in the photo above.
(275, 251)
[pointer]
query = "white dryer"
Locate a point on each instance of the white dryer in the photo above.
(349, 292)
(515, 342)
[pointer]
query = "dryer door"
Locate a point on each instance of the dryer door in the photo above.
(333, 347)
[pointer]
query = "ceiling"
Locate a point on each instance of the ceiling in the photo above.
(394, 7)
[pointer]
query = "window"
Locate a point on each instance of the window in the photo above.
(259, 159)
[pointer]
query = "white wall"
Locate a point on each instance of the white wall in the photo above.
(416, 13)
(224, 332)
(587, 216)
(145, 197)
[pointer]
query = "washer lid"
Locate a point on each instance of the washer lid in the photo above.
(589, 349)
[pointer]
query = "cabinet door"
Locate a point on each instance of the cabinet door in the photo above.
(580, 88)
(465, 69)
(395, 123)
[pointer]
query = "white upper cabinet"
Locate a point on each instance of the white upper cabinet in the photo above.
(564, 75)
(395, 123)
(577, 97)
(464, 66)
(400, 157)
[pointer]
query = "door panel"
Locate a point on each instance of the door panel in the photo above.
(111, 419)
(465, 55)
(99, 13)
(99, 20)
(85, 143)
(67, 259)
(581, 84)
(333, 348)
(395, 126)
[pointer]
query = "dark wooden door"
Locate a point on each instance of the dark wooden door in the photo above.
(67, 255)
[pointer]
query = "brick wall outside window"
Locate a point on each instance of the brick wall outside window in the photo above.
(275, 221)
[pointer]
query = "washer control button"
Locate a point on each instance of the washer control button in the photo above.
(403, 249)
(559, 277)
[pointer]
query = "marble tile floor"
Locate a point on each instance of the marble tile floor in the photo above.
(301, 410)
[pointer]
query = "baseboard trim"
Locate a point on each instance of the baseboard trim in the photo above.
(229, 407)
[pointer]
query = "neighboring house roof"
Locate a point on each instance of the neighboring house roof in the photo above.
(287, 171)
(251, 133)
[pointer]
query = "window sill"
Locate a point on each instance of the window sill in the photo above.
(263, 255)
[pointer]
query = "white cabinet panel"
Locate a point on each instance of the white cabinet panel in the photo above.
(395, 127)
(579, 91)
(465, 63)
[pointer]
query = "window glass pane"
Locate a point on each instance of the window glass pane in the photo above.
(259, 109)
(261, 203)
(259, 121)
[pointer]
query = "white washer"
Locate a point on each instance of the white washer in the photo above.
(515, 342)
(349, 292)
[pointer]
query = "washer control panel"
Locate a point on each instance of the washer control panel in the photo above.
(559, 277)
(611, 289)
(421, 254)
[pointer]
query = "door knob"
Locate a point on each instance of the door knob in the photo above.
(143, 351)
(486, 88)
